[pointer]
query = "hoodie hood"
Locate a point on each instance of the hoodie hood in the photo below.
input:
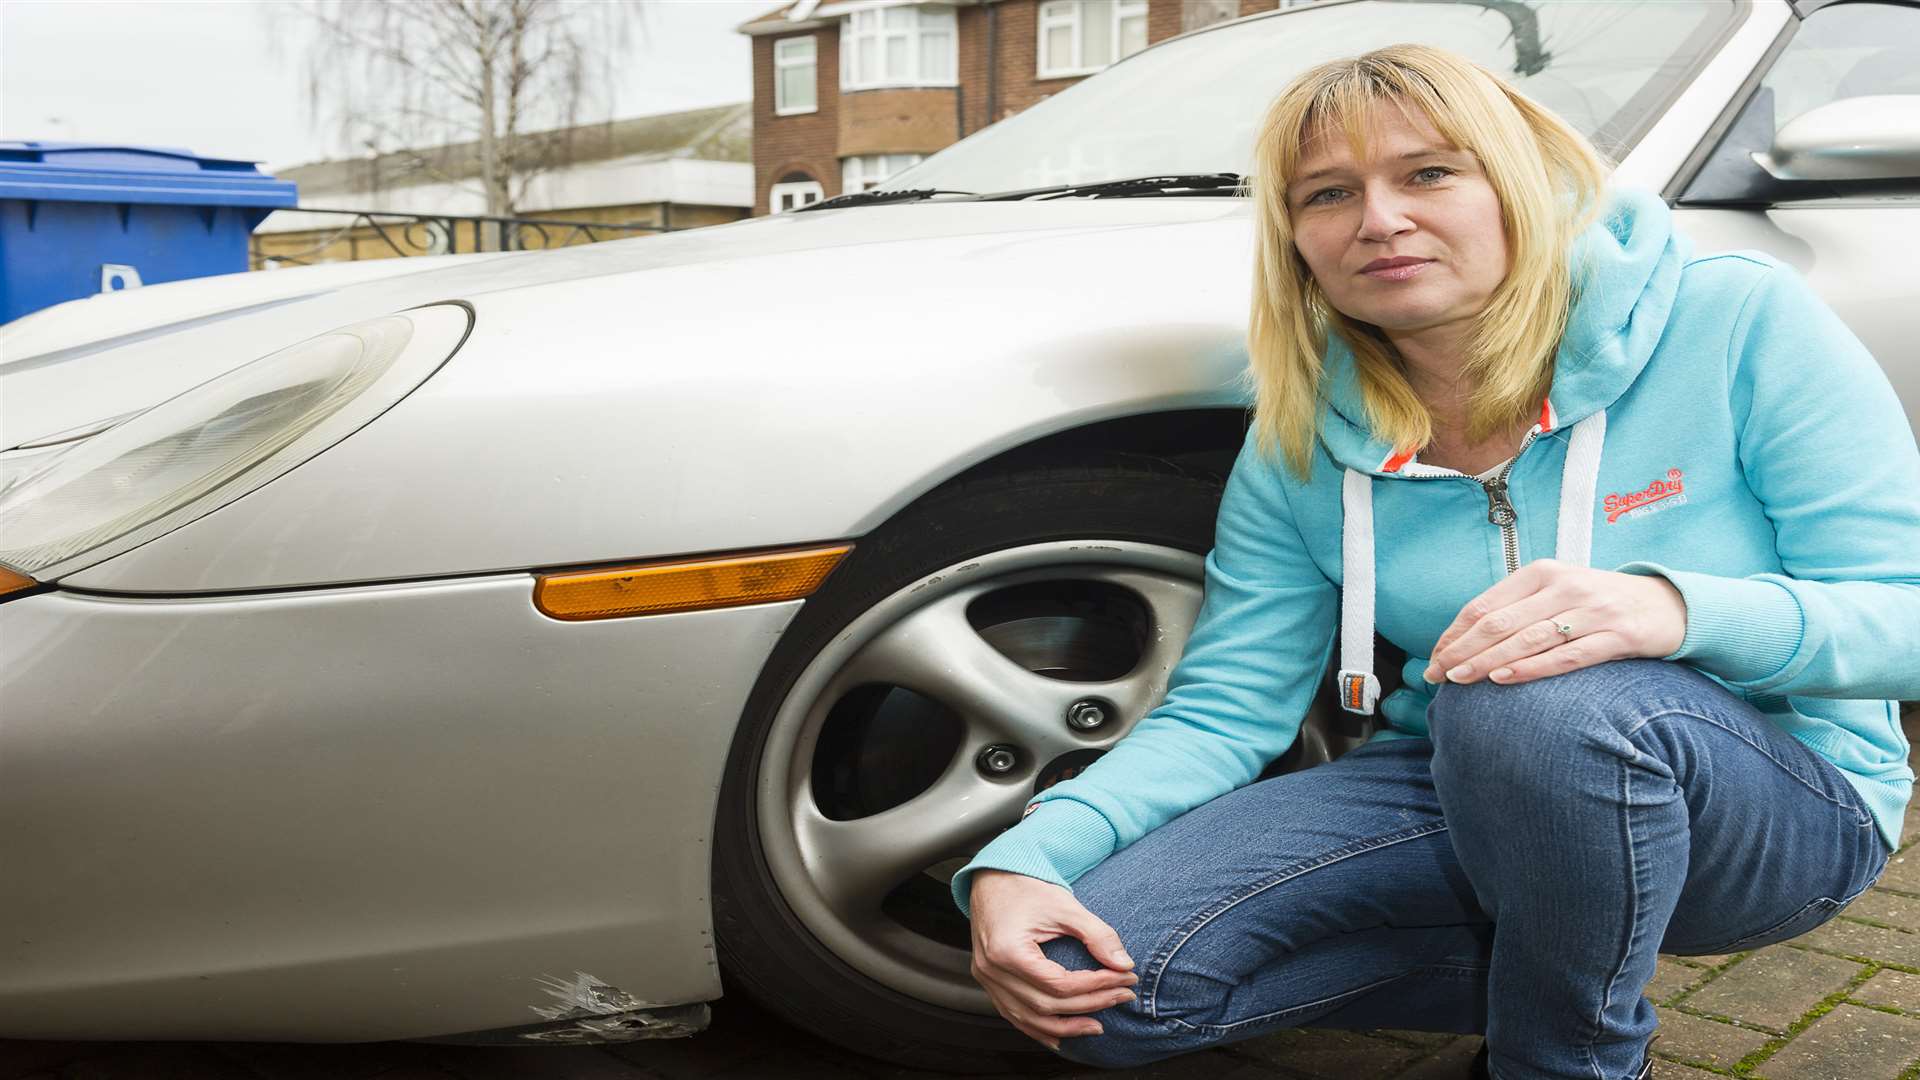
(1628, 264)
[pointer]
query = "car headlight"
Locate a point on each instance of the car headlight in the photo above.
(186, 456)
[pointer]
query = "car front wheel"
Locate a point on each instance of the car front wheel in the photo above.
(991, 640)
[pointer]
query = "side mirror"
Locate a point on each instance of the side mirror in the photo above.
(1858, 138)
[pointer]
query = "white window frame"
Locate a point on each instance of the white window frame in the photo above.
(782, 60)
(870, 24)
(799, 190)
(864, 172)
(1072, 13)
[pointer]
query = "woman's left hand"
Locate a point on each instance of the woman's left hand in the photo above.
(1510, 633)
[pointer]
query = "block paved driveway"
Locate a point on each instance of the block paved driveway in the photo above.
(1840, 1003)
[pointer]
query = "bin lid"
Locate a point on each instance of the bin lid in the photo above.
(100, 172)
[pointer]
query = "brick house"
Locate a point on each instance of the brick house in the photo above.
(848, 92)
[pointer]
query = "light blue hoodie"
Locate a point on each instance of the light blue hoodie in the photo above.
(1750, 450)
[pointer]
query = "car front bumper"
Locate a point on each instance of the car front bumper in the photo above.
(379, 812)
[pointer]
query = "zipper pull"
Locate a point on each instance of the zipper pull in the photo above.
(1499, 510)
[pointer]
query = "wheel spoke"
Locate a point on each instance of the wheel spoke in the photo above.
(855, 863)
(1172, 607)
(936, 652)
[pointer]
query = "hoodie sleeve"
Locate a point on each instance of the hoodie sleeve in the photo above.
(1235, 699)
(1827, 449)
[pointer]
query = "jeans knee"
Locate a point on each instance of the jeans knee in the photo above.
(1129, 1036)
(1485, 725)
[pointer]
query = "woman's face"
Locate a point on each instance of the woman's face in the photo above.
(1409, 238)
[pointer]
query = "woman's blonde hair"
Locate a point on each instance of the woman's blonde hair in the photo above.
(1549, 181)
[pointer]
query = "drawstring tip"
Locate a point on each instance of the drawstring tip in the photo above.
(1359, 691)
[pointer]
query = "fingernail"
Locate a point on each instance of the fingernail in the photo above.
(1054, 1046)
(1498, 674)
(1125, 960)
(1432, 674)
(1460, 673)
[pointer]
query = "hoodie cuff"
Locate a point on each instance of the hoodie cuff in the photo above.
(1741, 629)
(1056, 843)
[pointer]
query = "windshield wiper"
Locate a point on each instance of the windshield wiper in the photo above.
(1223, 183)
(868, 198)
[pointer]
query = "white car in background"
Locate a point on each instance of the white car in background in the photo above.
(537, 646)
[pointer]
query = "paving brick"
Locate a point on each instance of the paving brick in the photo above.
(1773, 987)
(545, 1062)
(1451, 1063)
(787, 1067)
(1711, 961)
(1332, 1055)
(1849, 1043)
(1903, 870)
(357, 1061)
(1418, 1038)
(20, 1058)
(1669, 979)
(1206, 1065)
(1667, 1070)
(1859, 939)
(1702, 1041)
(1882, 906)
(1895, 988)
(157, 1061)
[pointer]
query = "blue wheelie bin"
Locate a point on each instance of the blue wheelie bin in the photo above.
(82, 218)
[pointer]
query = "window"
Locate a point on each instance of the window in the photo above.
(1195, 14)
(1842, 51)
(794, 76)
(867, 171)
(1078, 37)
(793, 194)
(898, 46)
(1192, 104)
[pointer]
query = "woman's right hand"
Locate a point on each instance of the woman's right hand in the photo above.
(1012, 915)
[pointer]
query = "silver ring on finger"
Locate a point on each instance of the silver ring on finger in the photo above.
(1564, 629)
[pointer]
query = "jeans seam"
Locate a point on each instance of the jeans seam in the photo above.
(1342, 996)
(1636, 908)
(1863, 818)
(1326, 859)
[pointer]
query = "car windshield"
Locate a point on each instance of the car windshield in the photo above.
(1190, 104)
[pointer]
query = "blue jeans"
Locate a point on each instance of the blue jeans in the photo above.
(1513, 874)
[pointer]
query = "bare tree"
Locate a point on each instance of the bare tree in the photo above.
(480, 93)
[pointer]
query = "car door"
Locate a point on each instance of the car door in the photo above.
(1853, 239)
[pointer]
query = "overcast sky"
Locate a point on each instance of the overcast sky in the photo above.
(201, 74)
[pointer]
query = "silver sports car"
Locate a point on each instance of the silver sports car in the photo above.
(537, 646)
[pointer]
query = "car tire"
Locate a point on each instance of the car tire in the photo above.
(1144, 509)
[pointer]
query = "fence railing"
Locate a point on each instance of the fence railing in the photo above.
(435, 234)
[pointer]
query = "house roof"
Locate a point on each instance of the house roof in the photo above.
(717, 133)
(808, 14)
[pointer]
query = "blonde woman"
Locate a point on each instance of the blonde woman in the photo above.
(1648, 524)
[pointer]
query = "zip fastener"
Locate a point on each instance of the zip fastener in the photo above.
(1500, 509)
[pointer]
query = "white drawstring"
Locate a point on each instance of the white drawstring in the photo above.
(1573, 543)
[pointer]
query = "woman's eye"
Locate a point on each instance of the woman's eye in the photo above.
(1433, 174)
(1316, 196)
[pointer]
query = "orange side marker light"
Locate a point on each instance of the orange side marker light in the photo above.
(687, 585)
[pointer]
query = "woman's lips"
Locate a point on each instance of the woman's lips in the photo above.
(1398, 273)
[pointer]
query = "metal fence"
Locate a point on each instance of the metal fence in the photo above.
(380, 234)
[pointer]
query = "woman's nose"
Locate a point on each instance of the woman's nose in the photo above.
(1383, 215)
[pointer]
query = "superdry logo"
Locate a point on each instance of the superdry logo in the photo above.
(1672, 491)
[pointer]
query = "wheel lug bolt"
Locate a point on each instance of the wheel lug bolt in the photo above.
(1086, 715)
(997, 760)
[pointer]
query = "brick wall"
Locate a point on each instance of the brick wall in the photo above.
(916, 120)
(804, 143)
